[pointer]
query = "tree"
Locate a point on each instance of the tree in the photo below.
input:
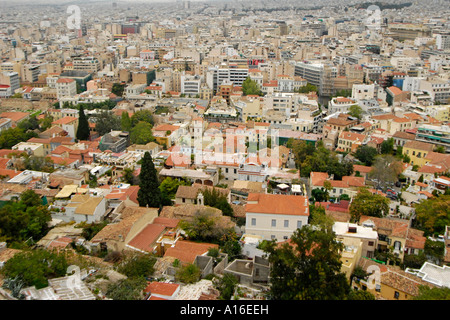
(439, 149)
(12, 136)
(142, 115)
(141, 133)
(226, 286)
(433, 215)
(149, 193)
(204, 227)
(231, 246)
(35, 267)
(20, 220)
(320, 159)
(319, 194)
(83, 132)
(127, 289)
(427, 293)
(169, 189)
(434, 250)
(356, 111)
(138, 266)
(90, 230)
(387, 146)
(366, 203)
(250, 87)
(414, 261)
(105, 122)
(366, 154)
(118, 89)
(128, 176)
(318, 217)
(46, 123)
(386, 169)
(216, 199)
(307, 88)
(126, 122)
(308, 267)
(188, 274)
(360, 295)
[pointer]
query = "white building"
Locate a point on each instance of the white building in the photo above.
(274, 216)
(66, 88)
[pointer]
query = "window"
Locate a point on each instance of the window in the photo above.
(272, 237)
(299, 224)
(396, 295)
(253, 221)
(285, 237)
(370, 244)
(274, 223)
(286, 223)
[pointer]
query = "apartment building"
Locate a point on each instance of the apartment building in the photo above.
(66, 88)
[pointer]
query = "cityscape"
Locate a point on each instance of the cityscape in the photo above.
(239, 151)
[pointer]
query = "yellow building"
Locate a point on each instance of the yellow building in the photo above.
(417, 152)
(351, 255)
(387, 282)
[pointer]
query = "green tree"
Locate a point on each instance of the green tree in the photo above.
(386, 169)
(366, 154)
(226, 286)
(319, 194)
(142, 115)
(149, 193)
(355, 111)
(128, 176)
(427, 293)
(308, 88)
(118, 89)
(318, 217)
(435, 250)
(126, 122)
(323, 160)
(127, 289)
(35, 267)
(231, 246)
(46, 123)
(138, 265)
(216, 199)
(204, 226)
(141, 133)
(308, 267)
(169, 189)
(387, 146)
(90, 230)
(12, 136)
(30, 124)
(20, 220)
(250, 87)
(433, 215)
(83, 132)
(414, 261)
(366, 203)
(360, 295)
(106, 121)
(188, 274)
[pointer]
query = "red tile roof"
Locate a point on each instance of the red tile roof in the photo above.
(186, 251)
(277, 204)
(146, 239)
(162, 289)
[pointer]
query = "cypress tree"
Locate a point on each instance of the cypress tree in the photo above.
(149, 193)
(83, 126)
